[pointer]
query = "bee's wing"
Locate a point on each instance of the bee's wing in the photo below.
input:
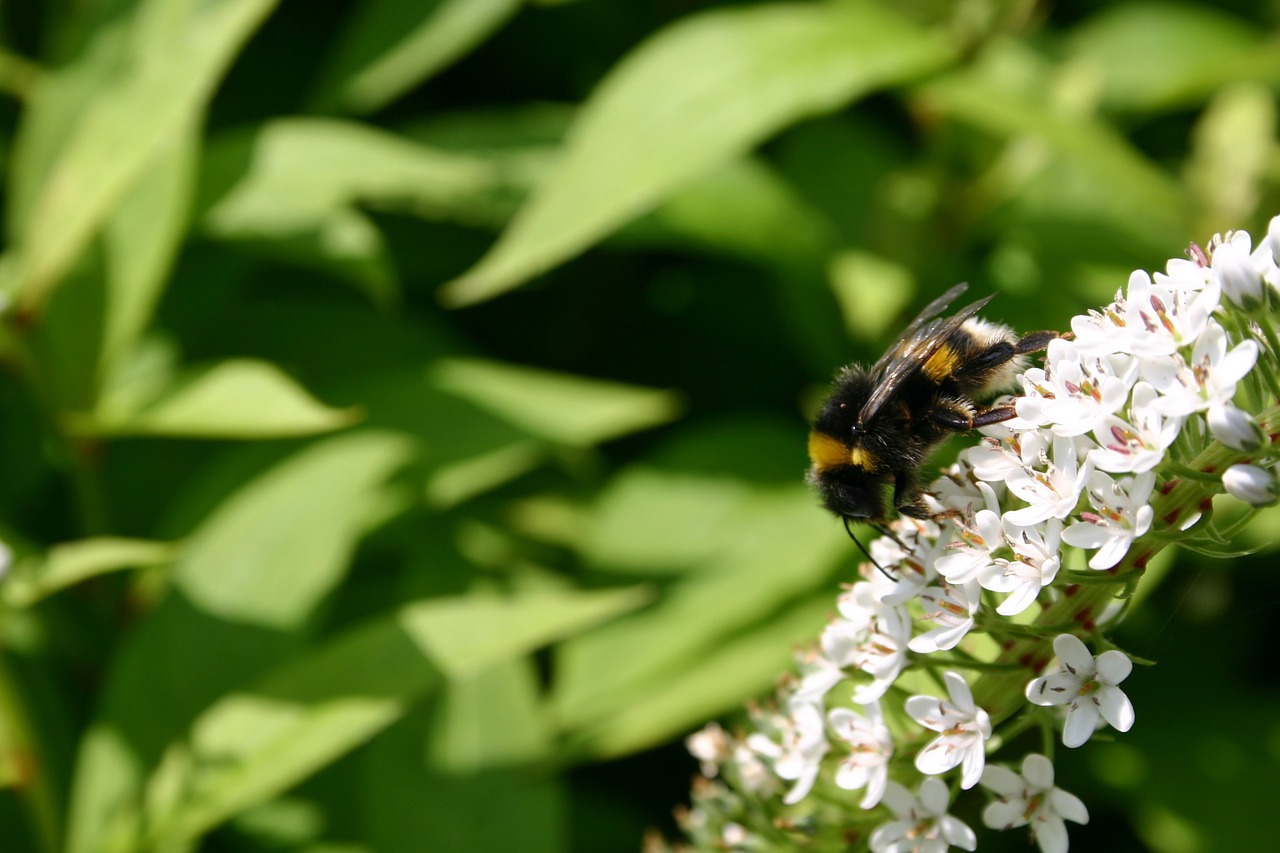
(929, 312)
(922, 339)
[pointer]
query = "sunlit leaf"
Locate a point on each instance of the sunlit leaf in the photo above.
(140, 241)
(240, 399)
(392, 46)
(138, 86)
(72, 562)
(465, 636)
(569, 409)
(274, 549)
(707, 88)
(1160, 56)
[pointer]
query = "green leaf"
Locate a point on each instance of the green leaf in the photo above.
(1083, 169)
(464, 636)
(715, 684)
(237, 399)
(784, 548)
(705, 89)
(556, 406)
(392, 46)
(290, 176)
(491, 719)
(1159, 56)
(275, 548)
(72, 562)
(138, 85)
(255, 744)
(140, 242)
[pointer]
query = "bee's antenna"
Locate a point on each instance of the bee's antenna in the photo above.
(864, 550)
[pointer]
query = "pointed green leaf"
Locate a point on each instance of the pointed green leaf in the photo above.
(141, 84)
(274, 549)
(72, 562)
(560, 407)
(238, 398)
(705, 89)
(465, 636)
(393, 46)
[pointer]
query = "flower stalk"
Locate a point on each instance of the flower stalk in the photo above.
(1151, 408)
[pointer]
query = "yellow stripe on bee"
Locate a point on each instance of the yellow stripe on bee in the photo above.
(942, 363)
(860, 457)
(826, 452)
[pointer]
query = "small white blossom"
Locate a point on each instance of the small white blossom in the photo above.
(1242, 283)
(1054, 492)
(1123, 514)
(921, 824)
(1034, 566)
(1251, 484)
(712, 746)
(964, 730)
(1032, 799)
(1138, 444)
(798, 752)
(952, 607)
(871, 636)
(1088, 686)
(1208, 380)
(870, 748)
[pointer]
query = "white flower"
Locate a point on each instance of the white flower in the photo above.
(1139, 444)
(1088, 686)
(1054, 492)
(712, 747)
(1032, 799)
(921, 824)
(870, 636)
(1123, 514)
(1208, 380)
(1251, 484)
(1161, 319)
(1073, 395)
(952, 607)
(798, 752)
(1242, 283)
(1035, 565)
(870, 748)
(964, 730)
(1235, 428)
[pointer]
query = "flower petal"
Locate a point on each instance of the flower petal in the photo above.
(934, 797)
(961, 695)
(1004, 815)
(958, 834)
(1068, 805)
(971, 765)
(1116, 708)
(1001, 781)
(1051, 833)
(939, 756)
(1038, 770)
(1072, 652)
(1082, 719)
(1113, 666)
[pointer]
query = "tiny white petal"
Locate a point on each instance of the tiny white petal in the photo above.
(1116, 708)
(1082, 719)
(1072, 652)
(1069, 806)
(1113, 666)
(1038, 770)
(1051, 834)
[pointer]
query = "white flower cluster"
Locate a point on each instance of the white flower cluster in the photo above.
(1156, 369)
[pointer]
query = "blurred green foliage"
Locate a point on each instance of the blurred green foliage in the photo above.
(403, 410)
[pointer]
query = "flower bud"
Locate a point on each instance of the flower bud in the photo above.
(1273, 238)
(1242, 284)
(1251, 484)
(1235, 428)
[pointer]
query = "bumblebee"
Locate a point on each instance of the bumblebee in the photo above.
(880, 424)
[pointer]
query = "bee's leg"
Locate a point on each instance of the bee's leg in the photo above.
(1034, 342)
(906, 497)
(988, 361)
